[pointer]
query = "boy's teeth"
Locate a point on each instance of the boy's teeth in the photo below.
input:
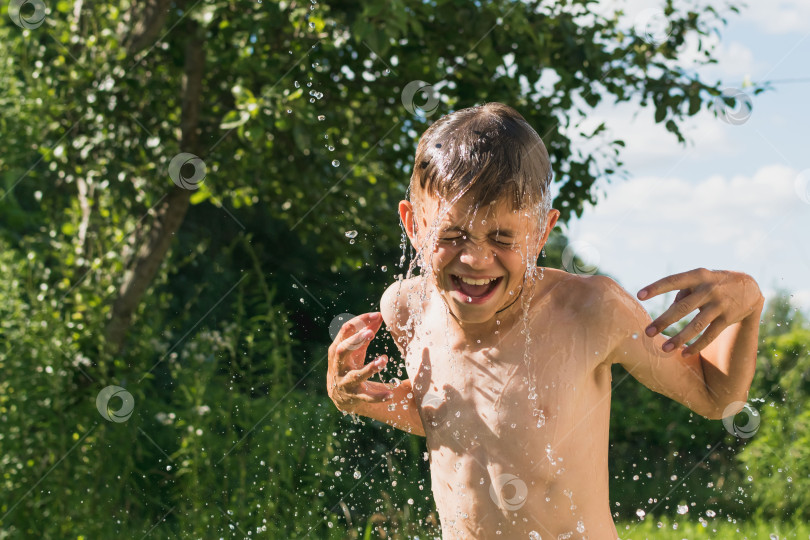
(476, 281)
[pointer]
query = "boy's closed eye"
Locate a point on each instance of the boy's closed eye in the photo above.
(496, 240)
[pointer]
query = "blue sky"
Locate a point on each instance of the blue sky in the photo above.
(737, 197)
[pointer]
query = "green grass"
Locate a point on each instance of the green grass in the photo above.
(664, 528)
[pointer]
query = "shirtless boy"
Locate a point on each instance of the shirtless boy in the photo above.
(510, 380)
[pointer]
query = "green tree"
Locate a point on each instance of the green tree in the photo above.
(306, 108)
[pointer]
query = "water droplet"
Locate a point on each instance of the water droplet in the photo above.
(384, 268)
(351, 234)
(682, 509)
(297, 85)
(321, 117)
(641, 513)
(335, 163)
(357, 475)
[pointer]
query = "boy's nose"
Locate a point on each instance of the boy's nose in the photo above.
(475, 255)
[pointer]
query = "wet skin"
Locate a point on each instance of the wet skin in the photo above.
(492, 468)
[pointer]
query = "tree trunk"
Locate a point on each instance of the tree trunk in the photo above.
(170, 213)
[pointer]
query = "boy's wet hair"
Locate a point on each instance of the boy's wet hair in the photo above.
(488, 152)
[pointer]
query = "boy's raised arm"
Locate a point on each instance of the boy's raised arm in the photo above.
(347, 378)
(713, 383)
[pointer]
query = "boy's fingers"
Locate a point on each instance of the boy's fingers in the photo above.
(714, 330)
(698, 324)
(375, 392)
(675, 313)
(361, 374)
(674, 282)
(358, 324)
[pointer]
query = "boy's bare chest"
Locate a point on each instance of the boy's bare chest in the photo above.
(481, 394)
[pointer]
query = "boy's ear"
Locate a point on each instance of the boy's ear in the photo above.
(551, 220)
(408, 220)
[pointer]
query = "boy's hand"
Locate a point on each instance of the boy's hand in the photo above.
(723, 298)
(347, 375)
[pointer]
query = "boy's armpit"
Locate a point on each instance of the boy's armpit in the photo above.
(677, 377)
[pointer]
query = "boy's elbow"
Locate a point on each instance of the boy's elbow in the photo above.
(728, 409)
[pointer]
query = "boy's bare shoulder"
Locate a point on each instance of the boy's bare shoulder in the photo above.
(584, 293)
(395, 307)
(606, 305)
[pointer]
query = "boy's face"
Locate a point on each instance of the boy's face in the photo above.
(492, 243)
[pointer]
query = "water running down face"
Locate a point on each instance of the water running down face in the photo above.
(478, 258)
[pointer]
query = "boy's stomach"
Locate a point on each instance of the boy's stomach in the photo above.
(479, 496)
(501, 467)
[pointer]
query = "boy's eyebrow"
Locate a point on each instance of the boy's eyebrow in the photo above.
(456, 228)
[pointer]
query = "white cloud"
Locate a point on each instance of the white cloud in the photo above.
(773, 16)
(779, 16)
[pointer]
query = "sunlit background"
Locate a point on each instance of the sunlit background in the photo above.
(736, 196)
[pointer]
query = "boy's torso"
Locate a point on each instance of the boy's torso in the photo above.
(499, 461)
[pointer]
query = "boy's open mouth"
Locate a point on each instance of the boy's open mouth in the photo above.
(475, 291)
